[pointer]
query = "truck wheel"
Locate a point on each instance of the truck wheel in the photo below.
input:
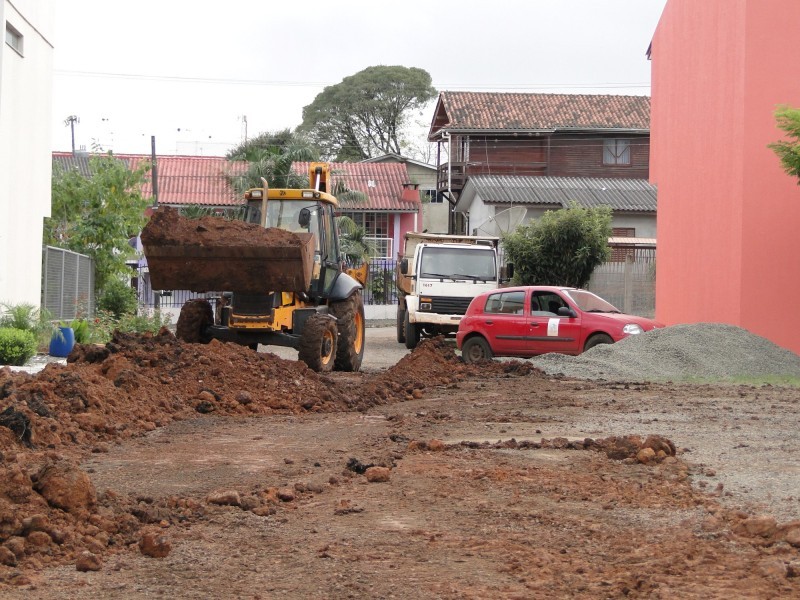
(350, 323)
(476, 349)
(195, 318)
(411, 334)
(318, 343)
(401, 325)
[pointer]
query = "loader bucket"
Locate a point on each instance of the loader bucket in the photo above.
(215, 254)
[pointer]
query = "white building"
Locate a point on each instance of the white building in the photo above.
(26, 72)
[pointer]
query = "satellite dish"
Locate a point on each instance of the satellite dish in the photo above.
(504, 222)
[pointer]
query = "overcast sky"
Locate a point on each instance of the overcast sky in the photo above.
(199, 75)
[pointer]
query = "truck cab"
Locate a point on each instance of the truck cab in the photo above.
(438, 276)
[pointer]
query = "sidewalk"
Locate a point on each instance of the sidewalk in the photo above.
(37, 363)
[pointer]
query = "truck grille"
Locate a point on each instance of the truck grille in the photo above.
(447, 305)
(253, 304)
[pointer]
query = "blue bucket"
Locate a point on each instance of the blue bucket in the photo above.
(61, 345)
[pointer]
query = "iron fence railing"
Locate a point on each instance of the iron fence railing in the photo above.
(67, 283)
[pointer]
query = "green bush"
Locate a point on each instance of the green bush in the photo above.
(28, 317)
(81, 329)
(118, 298)
(16, 346)
(105, 323)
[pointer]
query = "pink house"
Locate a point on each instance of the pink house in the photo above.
(728, 216)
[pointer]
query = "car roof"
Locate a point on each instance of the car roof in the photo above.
(535, 288)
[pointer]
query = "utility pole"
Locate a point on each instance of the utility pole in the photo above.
(70, 122)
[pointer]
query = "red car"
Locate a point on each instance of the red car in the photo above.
(530, 320)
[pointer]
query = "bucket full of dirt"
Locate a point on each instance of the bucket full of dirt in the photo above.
(215, 254)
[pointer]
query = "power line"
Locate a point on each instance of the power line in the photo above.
(284, 83)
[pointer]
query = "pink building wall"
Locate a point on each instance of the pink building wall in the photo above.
(728, 216)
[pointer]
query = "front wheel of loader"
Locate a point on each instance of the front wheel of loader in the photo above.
(196, 316)
(318, 343)
(350, 323)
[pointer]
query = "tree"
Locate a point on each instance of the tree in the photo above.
(99, 214)
(364, 115)
(788, 119)
(270, 155)
(560, 248)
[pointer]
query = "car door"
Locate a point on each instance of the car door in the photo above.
(547, 330)
(505, 324)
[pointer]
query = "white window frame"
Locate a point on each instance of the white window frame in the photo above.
(616, 151)
(14, 38)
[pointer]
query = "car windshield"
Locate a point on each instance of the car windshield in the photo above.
(589, 302)
(475, 263)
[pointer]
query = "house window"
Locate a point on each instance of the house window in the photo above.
(13, 38)
(616, 152)
(432, 196)
(623, 231)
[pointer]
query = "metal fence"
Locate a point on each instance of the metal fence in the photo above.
(629, 285)
(67, 283)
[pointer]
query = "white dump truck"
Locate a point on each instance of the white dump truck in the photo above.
(437, 277)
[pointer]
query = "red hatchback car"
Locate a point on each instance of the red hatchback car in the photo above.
(530, 320)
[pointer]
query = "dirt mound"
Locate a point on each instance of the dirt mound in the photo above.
(49, 511)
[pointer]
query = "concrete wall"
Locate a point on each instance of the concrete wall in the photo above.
(727, 214)
(25, 160)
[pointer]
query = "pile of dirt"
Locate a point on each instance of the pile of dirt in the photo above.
(212, 254)
(168, 227)
(49, 511)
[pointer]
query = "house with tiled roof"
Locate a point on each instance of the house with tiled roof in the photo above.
(391, 204)
(557, 136)
(182, 180)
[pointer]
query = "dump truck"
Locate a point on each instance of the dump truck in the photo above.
(279, 274)
(437, 277)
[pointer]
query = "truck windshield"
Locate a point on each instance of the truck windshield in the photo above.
(475, 262)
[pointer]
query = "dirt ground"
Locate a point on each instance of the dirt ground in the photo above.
(153, 468)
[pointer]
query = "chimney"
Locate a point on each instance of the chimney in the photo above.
(410, 192)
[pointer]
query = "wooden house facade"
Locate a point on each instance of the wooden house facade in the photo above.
(548, 135)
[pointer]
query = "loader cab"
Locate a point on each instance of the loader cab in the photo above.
(305, 215)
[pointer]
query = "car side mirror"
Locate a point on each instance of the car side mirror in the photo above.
(566, 311)
(404, 266)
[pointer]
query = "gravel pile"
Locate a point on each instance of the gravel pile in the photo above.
(697, 352)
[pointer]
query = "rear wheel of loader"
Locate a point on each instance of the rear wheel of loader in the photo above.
(318, 343)
(350, 323)
(196, 316)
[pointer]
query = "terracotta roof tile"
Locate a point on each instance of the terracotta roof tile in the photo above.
(475, 111)
(182, 180)
(381, 182)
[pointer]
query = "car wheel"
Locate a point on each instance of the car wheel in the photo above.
(350, 324)
(318, 343)
(476, 349)
(596, 340)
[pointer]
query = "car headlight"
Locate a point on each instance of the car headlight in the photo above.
(632, 329)
(425, 304)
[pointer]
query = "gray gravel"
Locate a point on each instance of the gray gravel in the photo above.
(702, 352)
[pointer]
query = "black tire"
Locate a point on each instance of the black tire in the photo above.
(351, 325)
(318, 343)
(476, 349)
(596, 340)
(412, 332)
(401, 325)
(195, 318)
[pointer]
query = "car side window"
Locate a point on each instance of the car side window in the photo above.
(510, 303)
(546, 304)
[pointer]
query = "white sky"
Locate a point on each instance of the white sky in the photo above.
(188, 71)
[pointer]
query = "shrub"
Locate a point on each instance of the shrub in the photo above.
(16, 346)
(105, 323)
(28, 317)
(118, 298)
(81, 329)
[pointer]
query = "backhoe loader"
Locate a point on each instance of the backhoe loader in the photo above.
(280, 272)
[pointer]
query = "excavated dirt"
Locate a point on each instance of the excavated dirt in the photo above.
(151, 467)
(215, 254)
